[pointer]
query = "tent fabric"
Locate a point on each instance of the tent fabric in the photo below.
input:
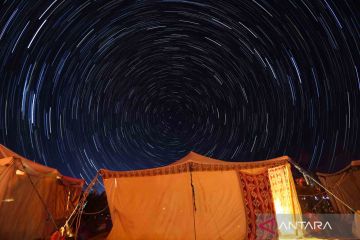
(345, 184)
(194, 198)
(356, 225)
(257, 199)
(160, 195)
(22, 213)
(33, 168)
(219, 205)
(283, 191)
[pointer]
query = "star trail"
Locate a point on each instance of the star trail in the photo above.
(136, 84)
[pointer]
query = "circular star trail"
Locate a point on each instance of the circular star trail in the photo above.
(136, 84)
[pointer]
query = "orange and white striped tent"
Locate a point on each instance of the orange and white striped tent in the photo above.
(200, 198)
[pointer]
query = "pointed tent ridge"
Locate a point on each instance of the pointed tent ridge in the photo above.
(195, 162)
(8, 157)
(201, 159)
(30, 166)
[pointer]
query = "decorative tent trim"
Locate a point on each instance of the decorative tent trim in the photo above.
(195, 162)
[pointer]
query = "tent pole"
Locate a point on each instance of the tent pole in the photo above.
(306, 174)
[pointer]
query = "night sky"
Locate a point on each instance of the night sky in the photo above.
(126, 85)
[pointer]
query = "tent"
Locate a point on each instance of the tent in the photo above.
(202, 198)
(345, 184)
(33, 198)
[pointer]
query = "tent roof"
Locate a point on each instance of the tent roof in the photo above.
(193, 157)
(8, 157)
(353, 164)
(31, 165)
(195, 162)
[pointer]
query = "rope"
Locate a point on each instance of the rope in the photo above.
(38, 194)
(94, 213)
(305, 173)
(82, 203)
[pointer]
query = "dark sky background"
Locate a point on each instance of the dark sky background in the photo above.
(136, 84)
